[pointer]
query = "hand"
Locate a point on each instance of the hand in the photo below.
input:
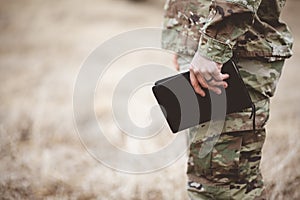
(175, 62)
(207, 74)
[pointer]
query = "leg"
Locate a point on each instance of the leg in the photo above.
(230, 171)
(250, 183)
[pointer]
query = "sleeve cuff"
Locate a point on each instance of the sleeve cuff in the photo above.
(214, 50)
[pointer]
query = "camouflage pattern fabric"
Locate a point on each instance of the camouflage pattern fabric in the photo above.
(221, 29)
(250, 33)
(230, 170)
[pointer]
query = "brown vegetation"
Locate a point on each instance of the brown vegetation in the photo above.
(42, 46)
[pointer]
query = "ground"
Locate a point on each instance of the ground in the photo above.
(42, 46)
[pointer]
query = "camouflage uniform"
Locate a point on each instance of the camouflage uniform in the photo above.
(250, 33)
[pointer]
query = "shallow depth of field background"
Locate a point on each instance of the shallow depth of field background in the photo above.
(42, 45)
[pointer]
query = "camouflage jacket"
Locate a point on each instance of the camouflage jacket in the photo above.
(221, 29)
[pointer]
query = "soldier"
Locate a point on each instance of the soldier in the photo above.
(205, 34)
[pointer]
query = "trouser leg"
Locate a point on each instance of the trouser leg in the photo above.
(230, 170)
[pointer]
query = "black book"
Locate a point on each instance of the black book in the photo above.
(183, 108)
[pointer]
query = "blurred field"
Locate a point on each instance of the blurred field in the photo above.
(42, 45)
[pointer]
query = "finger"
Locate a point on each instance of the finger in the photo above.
(175, 58)
(213, 83)
(207, 77)
(195, 84)
(216, 90)
(200, 78)
(219, 76)
(219, 66)
(175, 62)
(225, 76)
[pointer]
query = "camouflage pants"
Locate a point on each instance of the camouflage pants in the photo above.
(231, 169)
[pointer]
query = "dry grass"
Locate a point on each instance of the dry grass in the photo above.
(42, 46)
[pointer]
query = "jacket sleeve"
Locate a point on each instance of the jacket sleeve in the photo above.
(228, 19)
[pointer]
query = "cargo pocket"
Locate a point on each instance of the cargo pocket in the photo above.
(197, 164)
(221, 165)
(225, 159)
(251, 153)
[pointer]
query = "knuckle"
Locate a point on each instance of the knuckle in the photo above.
(197, 71)
(210, 70)
(202, 70)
